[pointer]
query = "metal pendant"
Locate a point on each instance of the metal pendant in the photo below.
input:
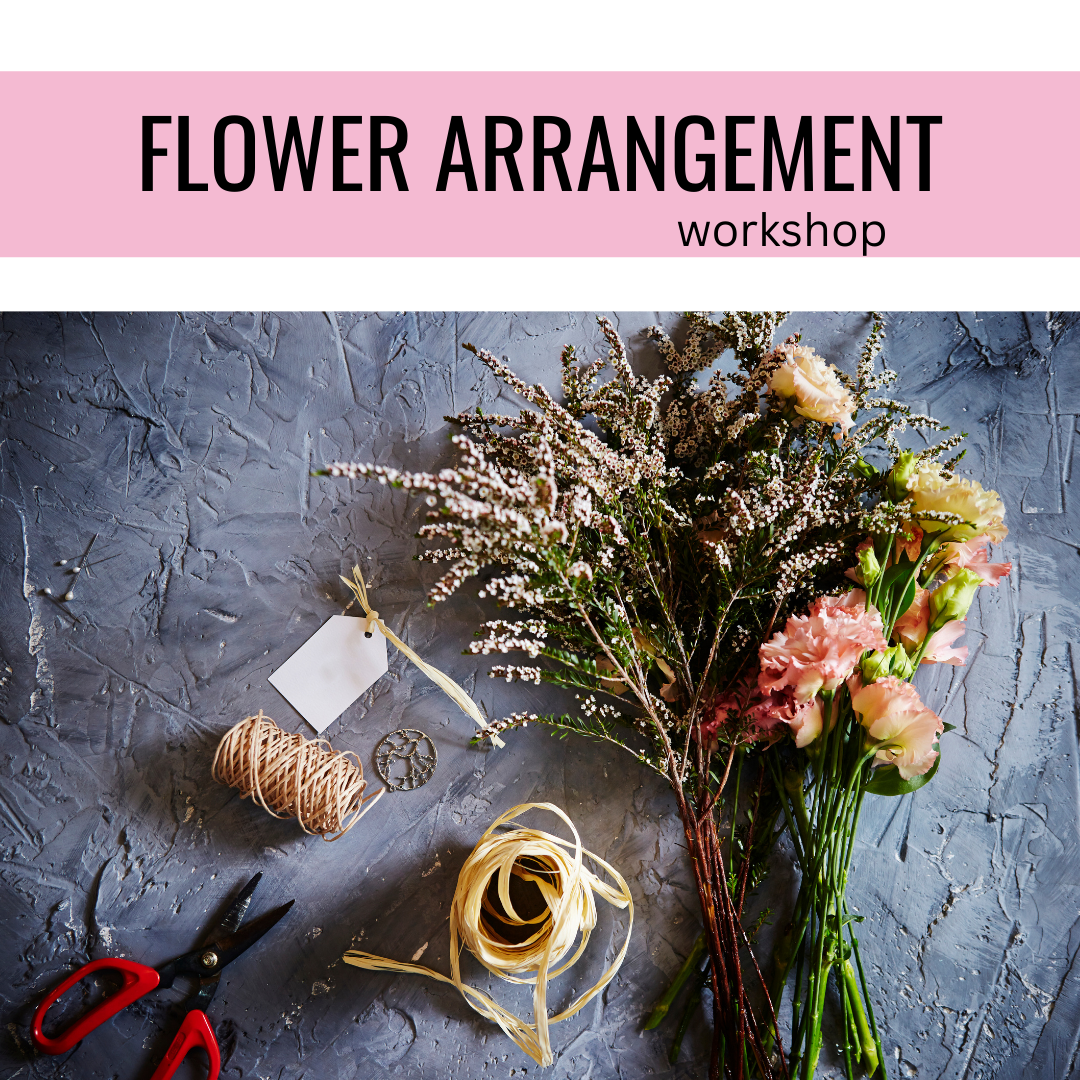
(406, 759)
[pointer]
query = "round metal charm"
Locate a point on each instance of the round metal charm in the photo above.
(406, 759)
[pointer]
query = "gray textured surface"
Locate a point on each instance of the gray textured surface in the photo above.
(185, 442)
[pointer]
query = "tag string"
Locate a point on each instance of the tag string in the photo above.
(444, 682)
(568, 888)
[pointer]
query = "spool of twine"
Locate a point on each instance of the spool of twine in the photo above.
(510, 944)
(293, 777)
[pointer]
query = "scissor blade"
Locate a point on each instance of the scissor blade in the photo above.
(231, 946)
(238, 908)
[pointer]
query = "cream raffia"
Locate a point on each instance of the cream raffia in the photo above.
(538, 857)
(290, 776)
(444, 682)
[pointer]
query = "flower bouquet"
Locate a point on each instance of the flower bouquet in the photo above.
(841, 678)
(646, 537)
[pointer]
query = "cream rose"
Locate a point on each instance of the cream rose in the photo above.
(983, 511)
(817, 390)
(892, 711)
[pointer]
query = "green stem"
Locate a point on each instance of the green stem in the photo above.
(797, 1013)
(692, 1003)
(660, 1009)
(826, 830)
(850, 1034)
(898, 595)
(817, 1006)
(873, 595)
(793, 785)
(867, 1043)
(735, 813)
(866, 998)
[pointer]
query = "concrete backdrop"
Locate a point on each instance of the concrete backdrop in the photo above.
(184, 444)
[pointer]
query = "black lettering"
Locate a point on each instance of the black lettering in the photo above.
(708, 180)
(804, 147)
(598, 136)
(746, 227)
(149, 150)
(305, 162)
(378, 151)
(891, 164)
(732, 152)
(183, 157)
(768, 232)
(635, 141)
(832, 152)
(734, 233)
(541, 150)
(836, 233)
(924, 123)
(341, 152)
(455, 136)
(246, 126)
(866, 241)
(694, 234)
(493, 150)
(789, 231)
(811, 225)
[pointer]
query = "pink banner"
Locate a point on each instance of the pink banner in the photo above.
(539, 164)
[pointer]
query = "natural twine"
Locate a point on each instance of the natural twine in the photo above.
(290, 776)
(555, 866)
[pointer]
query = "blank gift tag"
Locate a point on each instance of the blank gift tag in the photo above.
(331, 670)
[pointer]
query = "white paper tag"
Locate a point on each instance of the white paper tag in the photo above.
(331, 670)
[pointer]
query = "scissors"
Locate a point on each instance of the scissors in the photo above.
(226, 942)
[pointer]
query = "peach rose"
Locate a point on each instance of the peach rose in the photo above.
(972, 555)
(817, 391)
(806, 722)
(892, 711)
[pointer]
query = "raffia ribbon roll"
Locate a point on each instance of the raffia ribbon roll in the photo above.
(290, 776)
(568, 889)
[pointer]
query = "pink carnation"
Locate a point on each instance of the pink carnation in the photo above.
(892, 712)
(819, 651)
(912, 626)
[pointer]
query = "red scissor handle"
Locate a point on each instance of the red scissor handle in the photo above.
(194, 1031)
(138, 980)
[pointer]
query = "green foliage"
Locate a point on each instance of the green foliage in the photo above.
(888, 781)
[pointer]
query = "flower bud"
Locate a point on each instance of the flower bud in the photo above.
(893, 661)
(952, 599)
(899, 475)
(869, 566)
